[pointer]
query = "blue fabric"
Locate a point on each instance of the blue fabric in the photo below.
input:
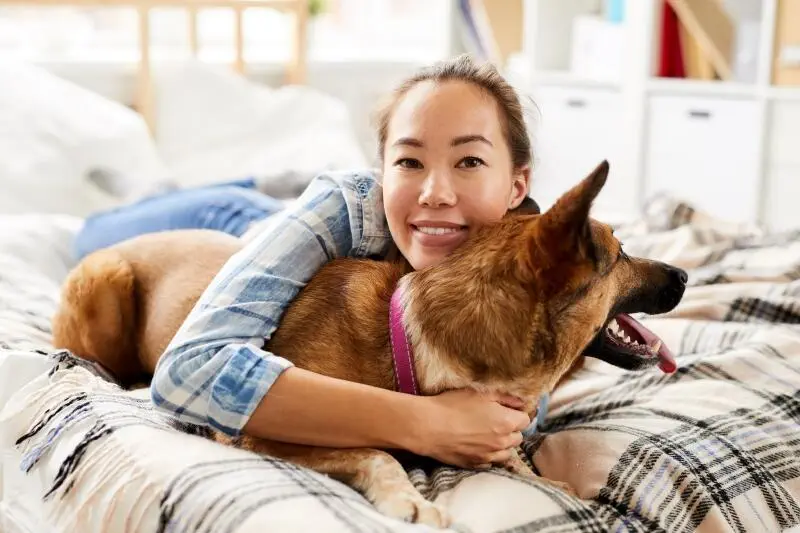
(541, 415)
(230, 207)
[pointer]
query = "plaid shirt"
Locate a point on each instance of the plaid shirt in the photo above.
(215, 371)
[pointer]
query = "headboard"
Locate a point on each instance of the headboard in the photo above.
(144, 99)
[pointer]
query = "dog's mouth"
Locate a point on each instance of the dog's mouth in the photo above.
(626, 343)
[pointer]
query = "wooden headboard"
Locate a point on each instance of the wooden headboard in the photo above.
(143, 99)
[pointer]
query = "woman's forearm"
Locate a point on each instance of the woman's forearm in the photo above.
(303, 407)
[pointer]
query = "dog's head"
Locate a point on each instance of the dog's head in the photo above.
(527, 297)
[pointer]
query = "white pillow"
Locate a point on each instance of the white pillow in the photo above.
(53, 132)
(215, 125)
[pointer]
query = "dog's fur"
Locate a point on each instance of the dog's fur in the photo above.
(512, 310)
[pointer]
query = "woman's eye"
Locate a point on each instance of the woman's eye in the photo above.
(408, 162)
(471, 162)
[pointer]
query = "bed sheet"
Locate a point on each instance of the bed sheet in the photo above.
(713, 447)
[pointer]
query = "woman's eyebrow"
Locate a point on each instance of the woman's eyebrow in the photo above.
(408, 141)
(464, 139)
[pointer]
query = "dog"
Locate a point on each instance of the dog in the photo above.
(512, 310)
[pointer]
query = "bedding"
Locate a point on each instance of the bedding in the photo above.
(54, 132)
(713, 447)
(215, 125)
(212, 126)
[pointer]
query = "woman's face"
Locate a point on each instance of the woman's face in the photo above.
(447, 169)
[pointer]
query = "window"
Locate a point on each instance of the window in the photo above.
(348, 30)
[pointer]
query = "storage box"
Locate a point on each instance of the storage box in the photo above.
(597, 49)
(786, 66)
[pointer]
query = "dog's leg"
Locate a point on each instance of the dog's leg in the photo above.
(376, 474)
(517, 466)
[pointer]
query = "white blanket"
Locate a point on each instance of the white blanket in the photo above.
(713, 447)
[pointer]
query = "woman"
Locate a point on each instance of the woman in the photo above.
(455, 155)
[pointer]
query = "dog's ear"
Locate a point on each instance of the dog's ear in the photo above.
(563, 230)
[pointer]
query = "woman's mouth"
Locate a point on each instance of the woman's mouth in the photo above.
(439, 234)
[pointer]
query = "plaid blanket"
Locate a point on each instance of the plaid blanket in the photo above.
(713, 447)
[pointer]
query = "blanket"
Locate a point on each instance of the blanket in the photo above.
(713, 447)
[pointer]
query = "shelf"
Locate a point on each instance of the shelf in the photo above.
(568, 79)
(784, 93)
(701, 88)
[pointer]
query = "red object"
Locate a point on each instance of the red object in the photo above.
(671, 57)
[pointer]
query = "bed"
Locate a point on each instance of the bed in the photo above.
(188, 122)
(713, 447)
(144, 98)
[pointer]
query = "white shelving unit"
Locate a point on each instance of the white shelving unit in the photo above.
(729, 147)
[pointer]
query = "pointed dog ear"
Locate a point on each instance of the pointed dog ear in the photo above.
(564, 228)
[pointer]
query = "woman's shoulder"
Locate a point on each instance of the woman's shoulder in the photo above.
(361, 181)
(361, 197)
(343, 206)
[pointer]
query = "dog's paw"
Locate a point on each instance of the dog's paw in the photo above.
(560, 485)
(413, 508)
(517, 466)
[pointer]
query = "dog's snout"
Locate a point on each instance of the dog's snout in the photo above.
(661, 290)
(679, 274)
(672, 291)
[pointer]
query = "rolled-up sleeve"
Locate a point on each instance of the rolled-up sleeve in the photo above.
(215, 372)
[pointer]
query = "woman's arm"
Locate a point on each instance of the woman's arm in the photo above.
(215, 372)
(461, 427)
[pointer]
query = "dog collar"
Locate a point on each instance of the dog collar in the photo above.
(404, 375)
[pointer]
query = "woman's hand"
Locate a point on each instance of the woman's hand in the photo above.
(468, 429)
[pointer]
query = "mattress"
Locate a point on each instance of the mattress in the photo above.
(713, 447)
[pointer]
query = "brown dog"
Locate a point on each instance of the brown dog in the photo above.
(512, 311)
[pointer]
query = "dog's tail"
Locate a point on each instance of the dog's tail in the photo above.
(96, 319)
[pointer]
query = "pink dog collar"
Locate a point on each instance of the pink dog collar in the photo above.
(404, 376)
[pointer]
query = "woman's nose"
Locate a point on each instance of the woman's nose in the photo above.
(437, 191)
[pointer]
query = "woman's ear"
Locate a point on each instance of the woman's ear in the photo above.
(519, 188)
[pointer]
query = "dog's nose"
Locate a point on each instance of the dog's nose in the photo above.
(679, 274)
(671, 293)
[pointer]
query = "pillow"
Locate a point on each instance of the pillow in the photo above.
(215, 125)
(54, 132)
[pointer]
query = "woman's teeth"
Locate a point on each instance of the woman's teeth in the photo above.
(436, 231)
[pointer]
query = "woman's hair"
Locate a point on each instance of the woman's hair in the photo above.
(485, 75)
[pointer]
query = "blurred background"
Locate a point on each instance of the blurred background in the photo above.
(699, 99)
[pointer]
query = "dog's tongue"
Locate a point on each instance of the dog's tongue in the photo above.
(666, 359)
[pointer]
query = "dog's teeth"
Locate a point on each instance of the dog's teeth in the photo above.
(613, 326)
(655, 347)
(627, 339)
(636, 343)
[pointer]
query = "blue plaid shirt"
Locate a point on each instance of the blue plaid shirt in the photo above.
(215, 371)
